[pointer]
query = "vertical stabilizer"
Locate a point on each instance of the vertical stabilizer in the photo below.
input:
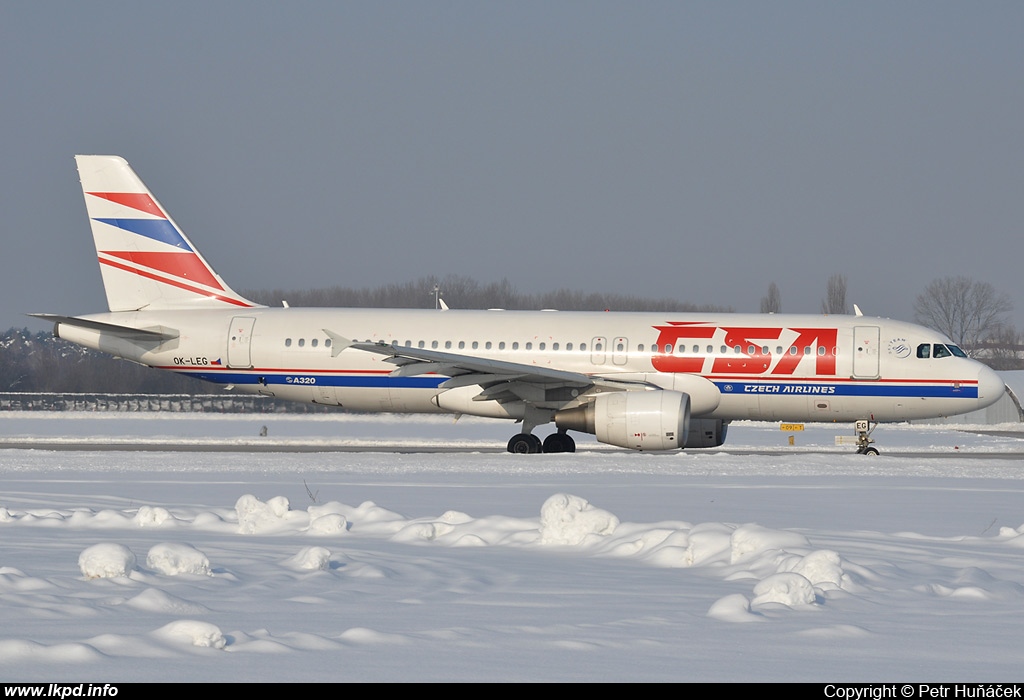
(147, 262)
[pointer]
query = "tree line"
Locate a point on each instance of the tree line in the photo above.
(38, 362)
(465, 292)
(971, 313)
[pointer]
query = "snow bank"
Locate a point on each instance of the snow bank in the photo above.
(153, 516)
(708, 542)
(823, 568)
(751, 540)
(106, 560)
(571, 520)
(257, 517)
(786, 589)
(327, 519)
(781, 567)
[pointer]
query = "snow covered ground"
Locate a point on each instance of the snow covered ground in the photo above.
(765, 562)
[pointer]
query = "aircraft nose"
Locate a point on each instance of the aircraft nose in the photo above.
(990, 387)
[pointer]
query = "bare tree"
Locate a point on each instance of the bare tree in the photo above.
(772, 303)
(835, 296)
(965, 310)
(1002, 349)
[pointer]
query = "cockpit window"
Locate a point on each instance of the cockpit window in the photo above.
(938, 350)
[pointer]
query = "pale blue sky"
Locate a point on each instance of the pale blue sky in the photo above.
(691, 150)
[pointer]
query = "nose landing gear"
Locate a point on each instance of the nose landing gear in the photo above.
(864, 428)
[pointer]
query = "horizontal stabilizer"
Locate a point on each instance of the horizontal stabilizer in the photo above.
(152, 334)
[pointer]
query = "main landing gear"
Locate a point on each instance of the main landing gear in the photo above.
(525, 443)
(864, 440)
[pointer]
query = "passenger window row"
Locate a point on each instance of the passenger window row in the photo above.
(315, 342)
(667, 349)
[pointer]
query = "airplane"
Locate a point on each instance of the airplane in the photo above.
(643, 381)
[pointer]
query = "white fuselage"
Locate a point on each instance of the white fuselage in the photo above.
(735, 366)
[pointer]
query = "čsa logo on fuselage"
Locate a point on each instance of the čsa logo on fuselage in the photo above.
(683, 347)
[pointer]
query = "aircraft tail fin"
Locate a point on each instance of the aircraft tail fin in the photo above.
(146, 260)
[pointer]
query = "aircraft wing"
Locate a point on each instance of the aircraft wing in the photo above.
(497, 378)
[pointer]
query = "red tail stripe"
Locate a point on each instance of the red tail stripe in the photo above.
(185, 265)
(135, 200)
(180, 285)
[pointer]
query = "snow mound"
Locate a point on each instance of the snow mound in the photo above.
(23, 650)
(823, 568)
(1014, 539)
(787, 588)
(330, 524)
(708, 542)
(106, 560)
(733, 608)
(750, 540)
(198, 634)
(153, 600)
(15, 580)
(310, 559)
(153, 516)
(328, 519)
(173, 558)
(257, 517)
(470, 541)
(105, 518)
(566, 519)
(369, 513)
(428, 531)
(1005, 531)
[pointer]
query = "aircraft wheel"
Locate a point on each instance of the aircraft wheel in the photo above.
(559, 442)
(871, 451)
(524, 444)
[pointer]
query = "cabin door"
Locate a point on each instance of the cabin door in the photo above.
(240, 342)
(865, 352)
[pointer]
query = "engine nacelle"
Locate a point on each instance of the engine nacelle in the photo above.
(704, 395)
(706, 432)
(639, 420)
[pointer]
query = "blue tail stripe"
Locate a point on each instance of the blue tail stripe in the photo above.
(158, 229)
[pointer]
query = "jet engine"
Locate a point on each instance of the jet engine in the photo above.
(639, 420)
